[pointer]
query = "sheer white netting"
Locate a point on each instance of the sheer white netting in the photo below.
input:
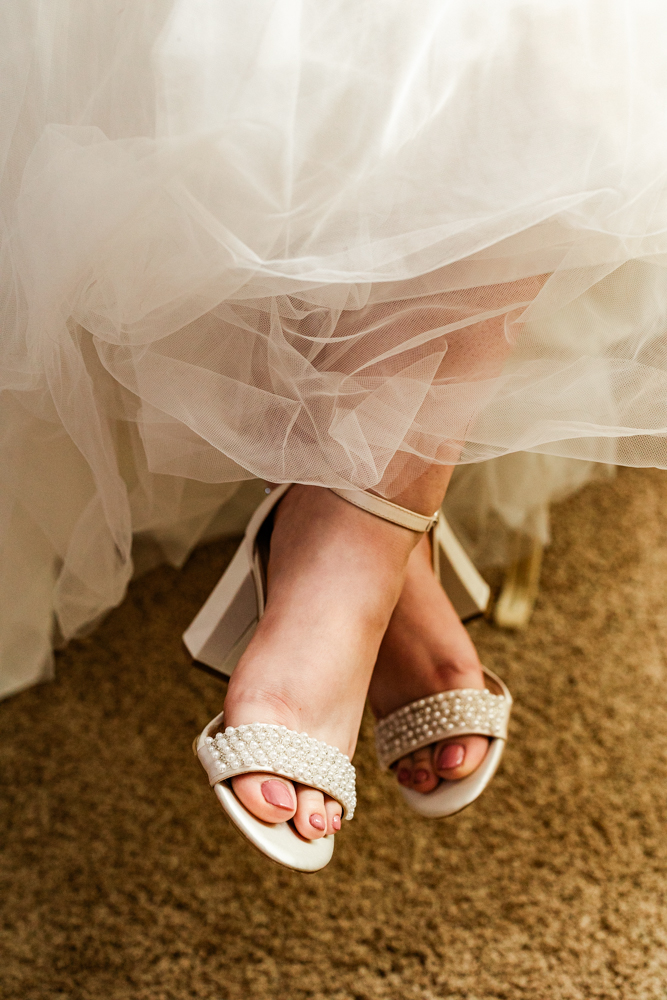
(323, 241)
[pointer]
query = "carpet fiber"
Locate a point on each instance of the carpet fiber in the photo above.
(120, 878)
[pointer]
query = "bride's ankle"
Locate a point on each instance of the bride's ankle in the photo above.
(333, 550)
(321, 511)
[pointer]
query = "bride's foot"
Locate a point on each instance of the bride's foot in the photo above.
(335, 574)
(425, 650)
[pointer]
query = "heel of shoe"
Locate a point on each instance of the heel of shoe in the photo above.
(222, 629)
(521, 585)
(467, 590)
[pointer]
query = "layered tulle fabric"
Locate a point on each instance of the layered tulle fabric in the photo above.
(321, 241)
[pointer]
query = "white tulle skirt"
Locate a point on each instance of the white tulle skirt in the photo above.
(320, 241)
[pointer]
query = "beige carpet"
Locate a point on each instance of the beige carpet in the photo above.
(121, 880)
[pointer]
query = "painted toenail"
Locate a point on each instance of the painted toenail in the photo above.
(421, 776)
(277, 794)
(452, 755)
(317, 821)
(404, 776)
(335, 822)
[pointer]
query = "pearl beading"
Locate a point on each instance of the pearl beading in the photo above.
(278, 750)
(450, 713)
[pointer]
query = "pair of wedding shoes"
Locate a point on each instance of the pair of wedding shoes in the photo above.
(221, 632)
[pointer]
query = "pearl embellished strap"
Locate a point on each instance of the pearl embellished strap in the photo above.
(278, 750)
(450, 713)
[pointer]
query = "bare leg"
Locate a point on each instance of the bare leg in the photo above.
(335, 577)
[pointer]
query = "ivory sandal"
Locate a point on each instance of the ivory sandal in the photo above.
(222, 630)
(216, 639)
(463, 712)
(449, 713)
(227, 752)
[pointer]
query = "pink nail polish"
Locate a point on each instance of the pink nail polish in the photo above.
(451, 756)
(317, 821)
(335, 822)
(277, 794)
(421, 775)
(404, 776)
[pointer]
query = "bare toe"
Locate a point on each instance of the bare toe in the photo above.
(334, 812)
(404, 770)
(459, 756)
(265, 796)
(424, 778)
(310, 818)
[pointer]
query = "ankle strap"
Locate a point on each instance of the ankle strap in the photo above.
(387, 510)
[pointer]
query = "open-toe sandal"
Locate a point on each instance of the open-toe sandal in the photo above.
(225, 752)
(448, 713)
(216, 639)
(464, 712)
